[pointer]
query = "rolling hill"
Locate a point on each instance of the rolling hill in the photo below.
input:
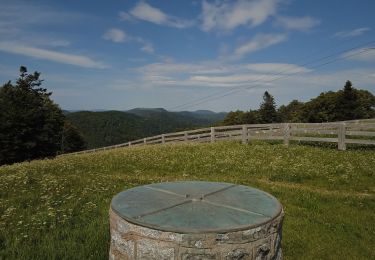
(104, 128)
(196, 118)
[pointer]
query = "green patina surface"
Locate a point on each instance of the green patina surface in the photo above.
(196, 206)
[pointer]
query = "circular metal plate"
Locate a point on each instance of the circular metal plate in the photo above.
(196, 206)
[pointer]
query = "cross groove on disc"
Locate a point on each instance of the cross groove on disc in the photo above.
(196, 206)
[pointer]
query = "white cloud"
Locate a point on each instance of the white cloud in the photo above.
(259, 42)
(77, 60)
(212, 74)
(285, 81)
(327, 80)
(226, 15)
(169, 68)
(235, 80)
(40, 41)
(115, 35)
(118, 36)
(21, 15)
(297, 23)
(210, 68)
(146, 12)
(20, 21)
(278, 68)
(352, 33)
(124, 16)
(20, 29)
(360, 54)
(147, 47)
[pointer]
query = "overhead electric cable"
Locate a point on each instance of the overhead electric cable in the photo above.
(193, 102)
(321, 65)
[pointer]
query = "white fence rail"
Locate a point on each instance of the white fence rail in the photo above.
(342, 133)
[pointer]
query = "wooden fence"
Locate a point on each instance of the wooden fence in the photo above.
(342, 133)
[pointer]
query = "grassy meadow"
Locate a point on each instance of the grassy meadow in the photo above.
(58, 208)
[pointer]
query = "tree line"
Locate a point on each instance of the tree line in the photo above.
(346, 104)
(31, 125)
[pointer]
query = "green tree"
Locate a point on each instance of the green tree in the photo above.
(347, 106)
(72, 139)
(234, 118)
(293, 112)
(367, 104)
(267, 110)
(321, 108)
(31, 123)
(353, 103)
(251, 117)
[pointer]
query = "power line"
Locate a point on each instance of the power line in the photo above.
(234, 90)
(278, 73)
(286, 76)
(193, 102)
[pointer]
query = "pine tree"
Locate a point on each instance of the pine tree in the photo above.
(267, 110)
(31, 124)
(347, 103)
(72, 139)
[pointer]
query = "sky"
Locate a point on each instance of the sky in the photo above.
(188, 55)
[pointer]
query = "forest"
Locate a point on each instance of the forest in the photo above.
(346, 104)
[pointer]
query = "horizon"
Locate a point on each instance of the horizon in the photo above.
(188, 56)
(144, 108)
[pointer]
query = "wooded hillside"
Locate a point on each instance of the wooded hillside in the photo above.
(114, 127)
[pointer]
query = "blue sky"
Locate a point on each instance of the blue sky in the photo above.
(188, 55)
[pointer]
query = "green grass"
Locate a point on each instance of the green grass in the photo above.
(58, 209)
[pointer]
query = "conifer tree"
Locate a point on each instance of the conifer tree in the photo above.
(347, 103)
(31, 123)
(72, 139)
(267, 110)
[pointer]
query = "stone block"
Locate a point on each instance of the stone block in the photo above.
(149, 249)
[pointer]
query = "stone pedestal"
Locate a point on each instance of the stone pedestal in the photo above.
(195, 221)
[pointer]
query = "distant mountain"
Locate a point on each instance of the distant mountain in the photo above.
(199, 117)
(107, 128)
(207, 115)
(147, 112)
(144, 110)
(203, 112)
(114, 127)
(178, 120)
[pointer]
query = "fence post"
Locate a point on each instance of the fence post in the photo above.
(212, 134)
(163, 139)
(244, 134)
(286, 134)
(271, 130)
(341, 137)
(185, 136)
(144, 141)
